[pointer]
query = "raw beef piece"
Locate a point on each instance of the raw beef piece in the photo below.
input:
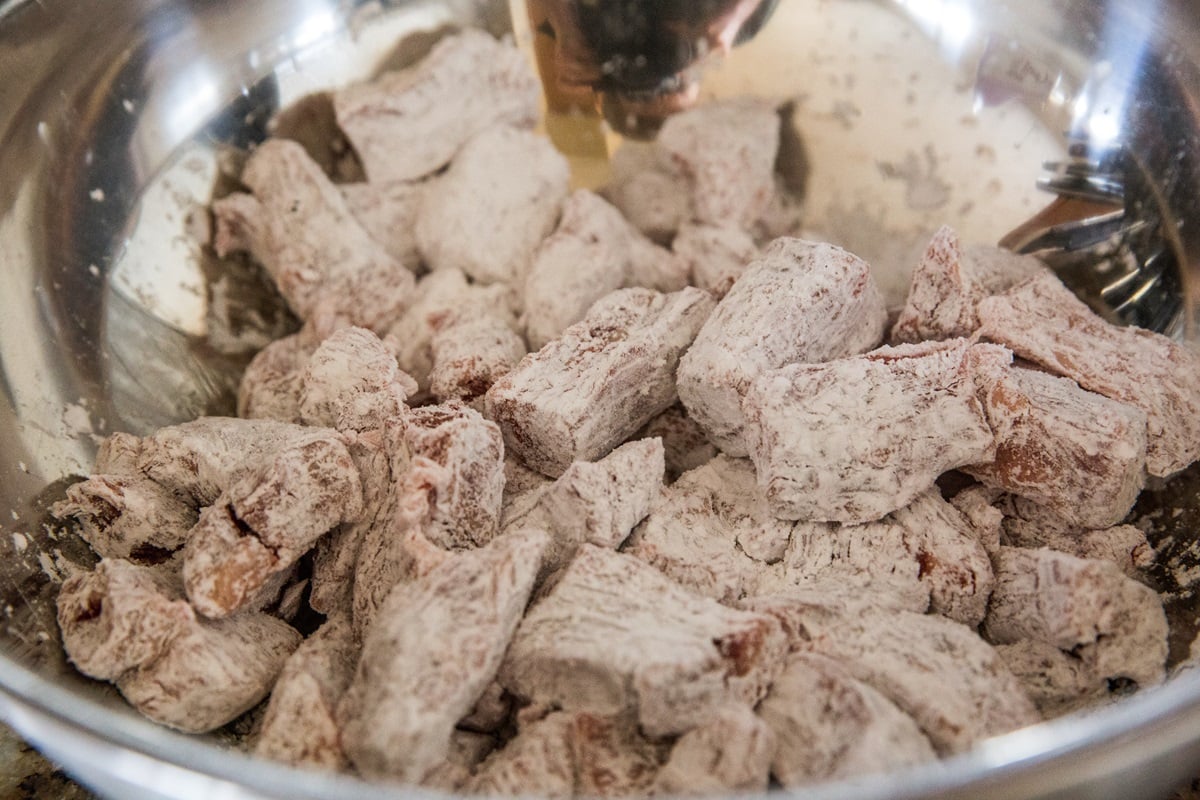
(300, 726)
(800, 303)
(396, 549)
(1123, 545)
(440, 298)
(949, 283)
(212, 673)
(1114, 625)
(120, 617)
(597, 384)
(128, 517)
(567, 754)
(198, 460)
(1057, 681)
(495, 204)
(712, 531)
(591, 254)
(615, 636)
(713, 166)
(388, 212)
(726, 151)
(267, 519)
(829, 725)
(596, 502)
(466, 459)
(856, 439)
(716, 256)
(1073, 451)
(472, 349)
(412, 686)
(1042, 321)
(352, 383)
(650, 191)
(925, 555)
(937, 671)
(381, 458)
(131, 625)
(299, 227)
(409, 124)
(267, 492)
(439, 486)
(270, 387)
(729, 755)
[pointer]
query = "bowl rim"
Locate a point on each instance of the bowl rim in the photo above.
(1162, 718)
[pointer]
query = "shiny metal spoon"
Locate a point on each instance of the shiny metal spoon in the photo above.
(1104, 237)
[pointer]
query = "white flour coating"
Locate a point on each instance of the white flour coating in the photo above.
(829, 725)
(715, 256)
(924, 556)
(128, 517)
(726, 152)
(388, 213)
(712, 168)
(593, 252)
(351, 382)
(713, 532)
(408, 124)
(732, 753)
(132, 625)
(597, 503)
(855, 439)
(300, 724)
(561, 754)
(411, 688)
(440, 296)
(939, 672)
(471, 353)
(614, 636)
(489, 212)
(949, 283)
(1042, 321)
(802, 302)
(1112, 624)
(603, 379)
(1073, 451)
(297, 224)
(651, 192)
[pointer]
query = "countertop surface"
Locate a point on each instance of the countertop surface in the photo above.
(25, 775)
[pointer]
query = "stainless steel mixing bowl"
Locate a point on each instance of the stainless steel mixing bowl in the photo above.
(115, 117)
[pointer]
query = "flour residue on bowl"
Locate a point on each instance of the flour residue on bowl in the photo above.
(875, 98)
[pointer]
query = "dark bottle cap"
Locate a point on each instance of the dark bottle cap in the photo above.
(641, 58)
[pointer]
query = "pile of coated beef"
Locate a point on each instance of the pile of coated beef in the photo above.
(630, 492)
